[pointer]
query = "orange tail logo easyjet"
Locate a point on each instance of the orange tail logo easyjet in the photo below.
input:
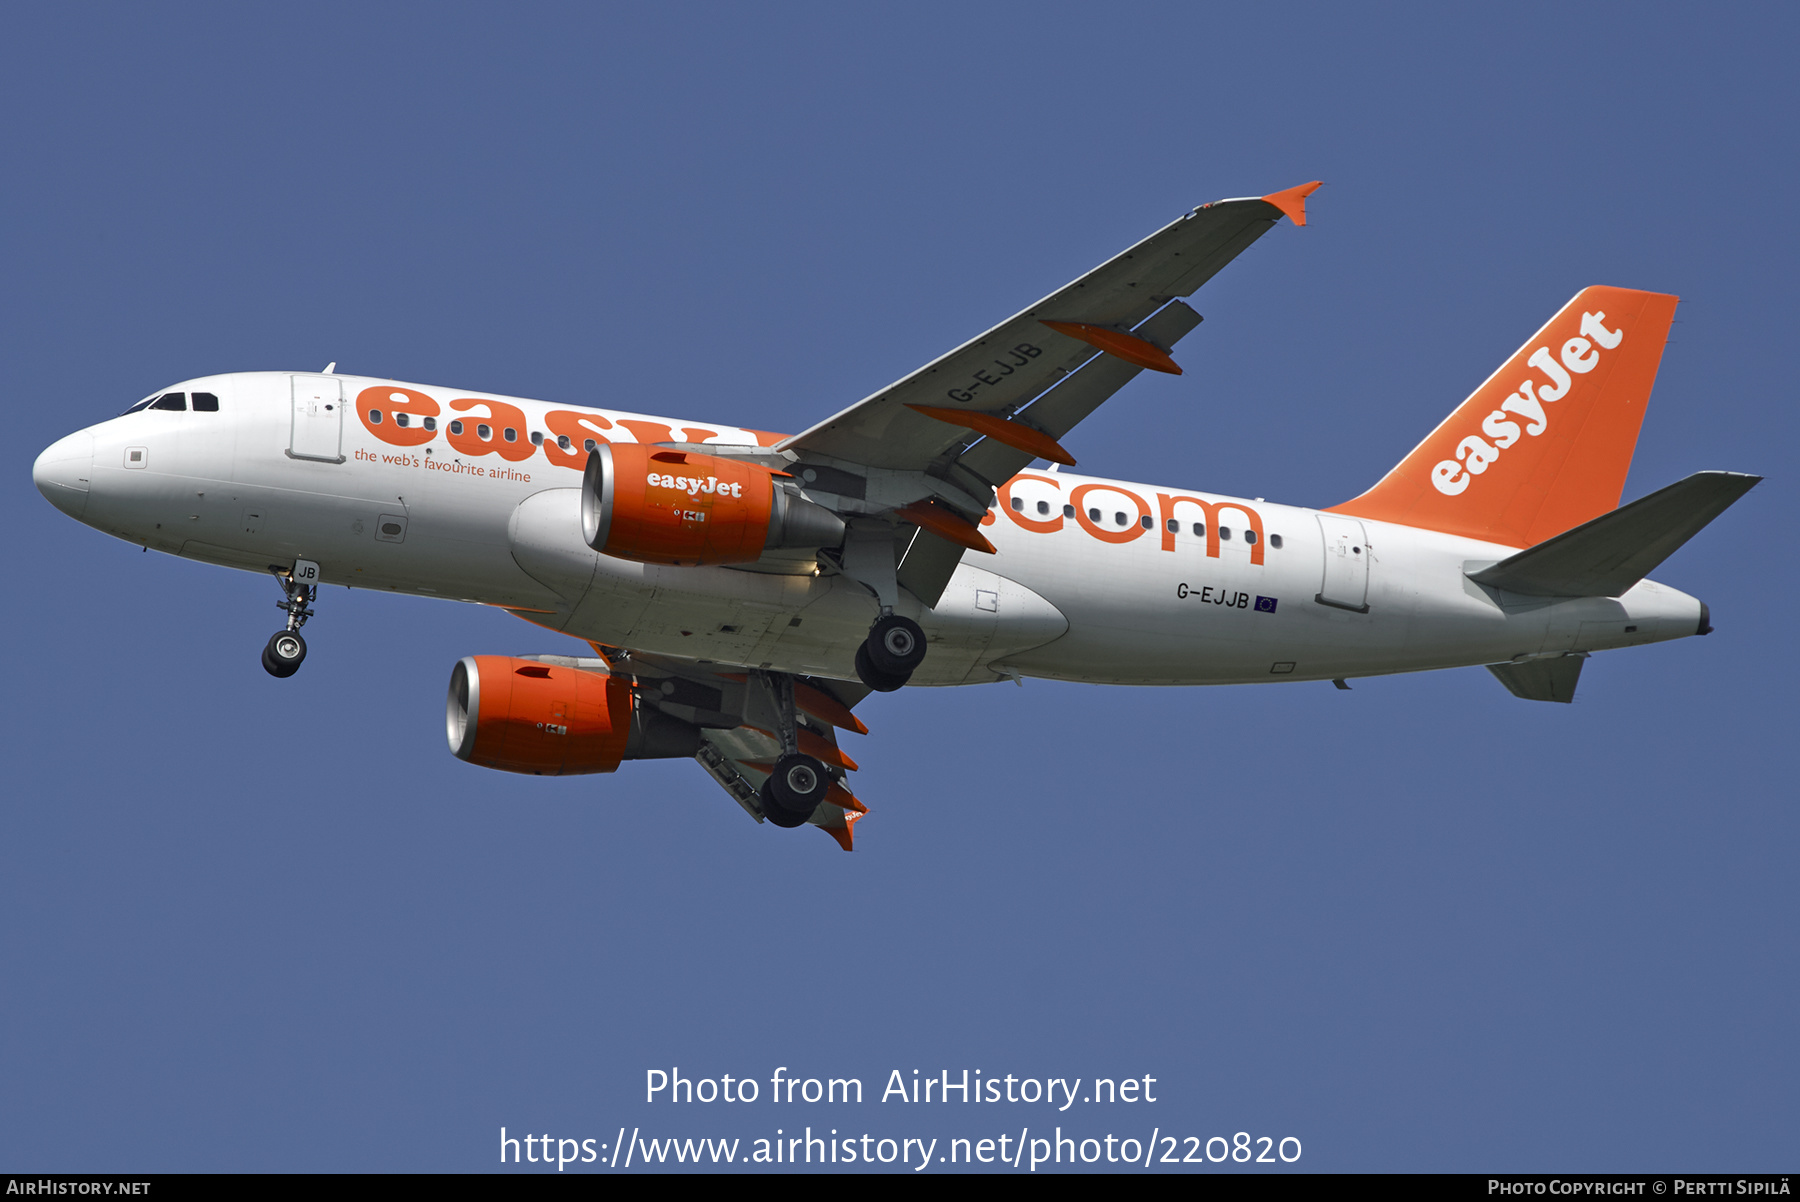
(1545, 442)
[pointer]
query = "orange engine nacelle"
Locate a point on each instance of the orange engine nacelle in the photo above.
(519, 715)
(680, 507)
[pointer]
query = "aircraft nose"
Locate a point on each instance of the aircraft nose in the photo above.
(61, 473)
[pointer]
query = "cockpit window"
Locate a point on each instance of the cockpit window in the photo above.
(143, 404)
(171, 400)
(205, 402)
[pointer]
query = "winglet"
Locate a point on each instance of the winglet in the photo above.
(1292, 201)
(845, 834)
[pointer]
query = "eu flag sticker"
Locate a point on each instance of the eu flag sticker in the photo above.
(1265, 605)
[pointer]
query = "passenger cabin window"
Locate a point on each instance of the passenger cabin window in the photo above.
(1068, 511)
(512, 435)
(1199, 529)
(1146, 522)
(1018, 504)
(374, 417)
(537, 440)
(1225, 533)
(1275, 541)
(1174, 526)
(590, 446)
(562, 440)
(205, 402)
(485, 432)
(401, 419)
(431, 423)
(456, 427)
(1043, 507)
(1250, 536)
(171, 400)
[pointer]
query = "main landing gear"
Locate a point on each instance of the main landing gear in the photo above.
(799, 782)
(795, 789)
(286, 650)
(894, 648)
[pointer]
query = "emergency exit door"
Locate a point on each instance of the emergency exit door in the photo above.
(318, 431)
(1345, 583)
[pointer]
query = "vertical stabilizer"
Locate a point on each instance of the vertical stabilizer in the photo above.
(1545, 443)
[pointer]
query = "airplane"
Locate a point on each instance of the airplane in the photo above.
(743, 591)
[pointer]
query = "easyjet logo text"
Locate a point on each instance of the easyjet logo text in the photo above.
(476, 426)
(694, 486)
(1475, 454)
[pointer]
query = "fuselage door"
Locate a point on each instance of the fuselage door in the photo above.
(318, 431)
(1346, 580)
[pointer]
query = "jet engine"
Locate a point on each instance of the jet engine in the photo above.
(680, 507)
(554, 719)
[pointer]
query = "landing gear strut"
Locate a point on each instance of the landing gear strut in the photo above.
(799, 782)
(286, 650)
(894, 648)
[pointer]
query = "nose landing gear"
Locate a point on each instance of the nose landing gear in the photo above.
(286, 650)
(284, 654)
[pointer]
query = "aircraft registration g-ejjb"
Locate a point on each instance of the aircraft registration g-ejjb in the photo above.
(743, 591)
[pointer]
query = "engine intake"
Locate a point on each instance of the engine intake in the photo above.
(679, 507)
(523, 715)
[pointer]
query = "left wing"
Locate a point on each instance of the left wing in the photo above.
(923, 455)
(1000, 372)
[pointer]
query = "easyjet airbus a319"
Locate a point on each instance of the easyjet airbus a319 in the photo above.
(743, 591)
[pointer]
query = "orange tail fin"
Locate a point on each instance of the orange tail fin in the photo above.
(1545, 443)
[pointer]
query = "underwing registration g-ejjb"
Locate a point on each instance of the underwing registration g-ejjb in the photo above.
(742, 591)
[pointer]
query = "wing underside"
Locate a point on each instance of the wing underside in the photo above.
(738, 740)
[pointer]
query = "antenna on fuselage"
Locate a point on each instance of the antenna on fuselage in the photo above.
(329, 368)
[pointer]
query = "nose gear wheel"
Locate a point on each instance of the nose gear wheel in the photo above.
(286, 650)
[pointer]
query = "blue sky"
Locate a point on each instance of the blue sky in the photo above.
(259, 924)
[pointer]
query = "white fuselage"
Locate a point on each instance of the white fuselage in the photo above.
(1109, 594)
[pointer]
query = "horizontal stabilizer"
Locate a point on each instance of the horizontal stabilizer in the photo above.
(1608, 555)
(1551, 679)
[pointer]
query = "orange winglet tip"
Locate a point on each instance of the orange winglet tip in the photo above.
(1017, 435)
(826, 708)
(1118, 344)
(844, 835)
(1292, 201)
(929, 515)
(842, 798)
